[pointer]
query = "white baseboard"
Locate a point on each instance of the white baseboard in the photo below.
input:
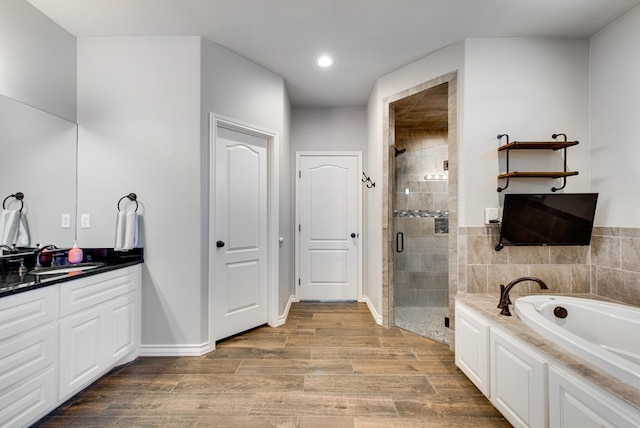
(283, 318)
(175, 350)
(376, 316)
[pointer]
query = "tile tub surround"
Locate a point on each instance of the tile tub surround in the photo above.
(615, 263)
(565, 269)
(610, 267)
(485, 305)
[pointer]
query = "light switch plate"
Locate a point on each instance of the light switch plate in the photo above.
(65, 221)
(85, 221)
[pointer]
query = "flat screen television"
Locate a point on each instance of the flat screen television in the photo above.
(547, 219)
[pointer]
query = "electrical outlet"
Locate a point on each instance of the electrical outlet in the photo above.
(491, 216)
(85, 221)
(65, 221)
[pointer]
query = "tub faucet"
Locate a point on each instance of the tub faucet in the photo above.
(504, 292)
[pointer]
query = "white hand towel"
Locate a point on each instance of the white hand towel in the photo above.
(131, 230)
(126, 230)
(23, 239)
(120, 225)
(9, 224)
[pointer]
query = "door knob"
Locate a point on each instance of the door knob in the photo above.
(220, 244)
(353, 235)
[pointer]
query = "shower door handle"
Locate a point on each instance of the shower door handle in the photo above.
(399, 242)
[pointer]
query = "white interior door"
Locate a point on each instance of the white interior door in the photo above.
(328, 227)
(240, 289)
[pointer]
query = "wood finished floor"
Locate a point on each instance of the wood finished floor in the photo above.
(330, 365)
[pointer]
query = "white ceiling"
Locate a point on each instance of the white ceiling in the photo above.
(367, 38)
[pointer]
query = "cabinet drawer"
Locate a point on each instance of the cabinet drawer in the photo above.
(94, 290)
(26, 355)
(27, 310)
(29, 401)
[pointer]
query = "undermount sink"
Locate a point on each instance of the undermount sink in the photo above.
(57, 270)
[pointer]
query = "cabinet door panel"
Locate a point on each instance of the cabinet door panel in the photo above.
(82, 352)
(123, 329)
(574, 402)
(518, 381)
(472, 348)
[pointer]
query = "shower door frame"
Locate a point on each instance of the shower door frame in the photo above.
(388, 183)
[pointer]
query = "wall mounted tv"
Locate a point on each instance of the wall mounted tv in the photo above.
(547, 219)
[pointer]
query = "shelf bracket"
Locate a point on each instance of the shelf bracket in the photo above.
(500, 136)
(564, 155)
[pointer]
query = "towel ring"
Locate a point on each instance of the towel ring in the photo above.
(19, 196)
(132, 197)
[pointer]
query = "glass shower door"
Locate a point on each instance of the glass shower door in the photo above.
(421, 218)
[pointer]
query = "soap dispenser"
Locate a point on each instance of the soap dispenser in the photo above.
(75, 254)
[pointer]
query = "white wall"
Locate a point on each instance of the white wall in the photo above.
(38, 65)
(143, 109)
(139, 131)
(239, 89)
(329, 128)
(529, 89)
(440, 63)
(615, 121)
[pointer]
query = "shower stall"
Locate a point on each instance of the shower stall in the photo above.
(421, 217)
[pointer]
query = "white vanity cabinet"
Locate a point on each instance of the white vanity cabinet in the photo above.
(99, 326)
(28, 348)
(575, 402)
(56, 340)
(472, 347)
(518, 381)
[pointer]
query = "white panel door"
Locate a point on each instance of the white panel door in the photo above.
(328, 227)
(241, 220)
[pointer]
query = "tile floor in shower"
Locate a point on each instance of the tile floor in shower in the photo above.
(425, 321)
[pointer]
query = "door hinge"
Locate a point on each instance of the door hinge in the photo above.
(299, 228)
(300, 174)
(298, 282)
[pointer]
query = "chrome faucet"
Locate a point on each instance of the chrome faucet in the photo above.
(504, 292)
(38, 251)
(6, 247)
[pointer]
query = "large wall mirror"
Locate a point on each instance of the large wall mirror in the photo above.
(38, 159)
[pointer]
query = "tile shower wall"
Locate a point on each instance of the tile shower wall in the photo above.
(610, 267)
(421, 270)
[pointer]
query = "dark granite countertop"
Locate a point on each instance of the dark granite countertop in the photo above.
(13, 282)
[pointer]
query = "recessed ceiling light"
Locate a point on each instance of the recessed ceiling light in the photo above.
(324, 61)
